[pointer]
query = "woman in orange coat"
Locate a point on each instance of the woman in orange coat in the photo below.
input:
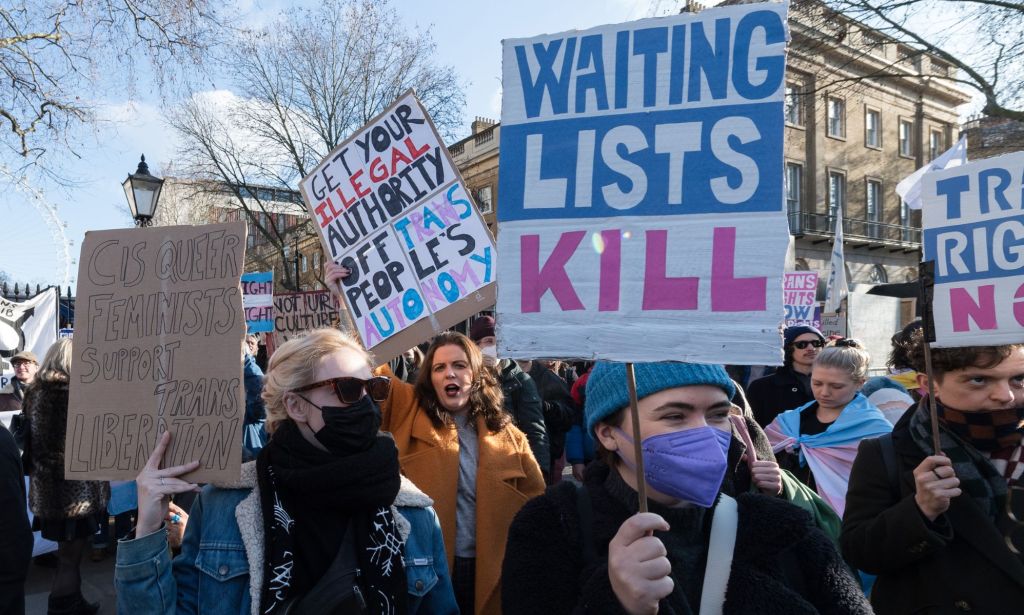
(458, 445)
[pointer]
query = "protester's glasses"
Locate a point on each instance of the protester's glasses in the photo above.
(847, 342)
(805, 343)
(350, 390)
(1014, 503)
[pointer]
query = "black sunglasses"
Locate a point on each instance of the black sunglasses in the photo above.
(350, 390)
(805, 343)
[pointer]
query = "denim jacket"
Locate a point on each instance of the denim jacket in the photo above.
(220, 568)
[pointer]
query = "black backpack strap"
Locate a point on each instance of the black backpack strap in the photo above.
(892, 468)
(586, 516)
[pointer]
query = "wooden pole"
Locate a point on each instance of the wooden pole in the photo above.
(634, 406)
(932, 406)
(926, 277)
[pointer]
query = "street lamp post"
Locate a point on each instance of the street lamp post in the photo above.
(143, 193)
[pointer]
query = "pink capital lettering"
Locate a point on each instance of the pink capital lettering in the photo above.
(1018, 306)
(537, 280)
(963, 308)
(662, 292)
(611, 271)
(729, 293)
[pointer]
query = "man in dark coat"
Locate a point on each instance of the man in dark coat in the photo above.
(790, 386)
(12, 396)
(521, 399)
(934, 528)
(16, 537)
(559, 411)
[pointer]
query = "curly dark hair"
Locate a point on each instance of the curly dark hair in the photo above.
(902, 344)
(945, 360)
(485, 397)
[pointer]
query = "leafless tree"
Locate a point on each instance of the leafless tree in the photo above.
(55, 53)
(974, 44)
(301, 85)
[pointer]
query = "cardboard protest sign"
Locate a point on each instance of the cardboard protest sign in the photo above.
(974, 231)
(295, 313)
(799, 297)
(258, 301)
(391, 207)
(158, 347)
(641, 190)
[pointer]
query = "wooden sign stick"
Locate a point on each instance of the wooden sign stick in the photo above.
(634, 406)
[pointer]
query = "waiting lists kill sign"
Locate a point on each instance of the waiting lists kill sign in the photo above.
(641, 190)
(391, 207)
(158, 347)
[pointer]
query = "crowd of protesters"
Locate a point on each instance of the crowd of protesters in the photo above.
(451, 480)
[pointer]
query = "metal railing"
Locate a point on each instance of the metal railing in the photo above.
(801, 223)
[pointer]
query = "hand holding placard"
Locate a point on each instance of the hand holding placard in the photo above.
(155, 487)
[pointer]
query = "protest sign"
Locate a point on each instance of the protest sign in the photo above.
(158, 347)
(974, 231)
(833, 323)
(872, 319)
(258, 301)
(799, 297)
(295, 313)
(391, 207)
(27, 325)
(641, 190)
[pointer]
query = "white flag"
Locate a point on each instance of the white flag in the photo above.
(837, 288)
(31, 325)
(910, 188)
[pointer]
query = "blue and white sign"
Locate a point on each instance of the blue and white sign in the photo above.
(258, 301)
(641, 190)
(974, 231)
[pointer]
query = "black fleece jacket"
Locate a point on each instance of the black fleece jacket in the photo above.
(782, 564)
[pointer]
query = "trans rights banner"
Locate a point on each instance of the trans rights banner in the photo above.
(158, 347)
(258, 301)
(641, 190)
(799, 296)
(391, 207)
(974, 231)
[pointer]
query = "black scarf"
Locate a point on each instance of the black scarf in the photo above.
(308, 497)
(978, 477)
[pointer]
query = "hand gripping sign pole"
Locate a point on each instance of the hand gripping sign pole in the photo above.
(926, 275)
(634, 406)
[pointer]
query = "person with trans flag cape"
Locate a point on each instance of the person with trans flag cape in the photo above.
(821, 437)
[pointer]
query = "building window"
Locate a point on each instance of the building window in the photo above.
(316, 260)
(836, 118)
(794, 105)
(484, 201)
(836, 197)
(906, 138)
(905, 219)
(935, 144)
(873, 207)
(305, 264)
(878, 275)
(872, 128)
(794, 185)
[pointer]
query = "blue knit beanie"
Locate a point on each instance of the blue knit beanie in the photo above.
(607, 391)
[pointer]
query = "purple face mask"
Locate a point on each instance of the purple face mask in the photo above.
(688, 464)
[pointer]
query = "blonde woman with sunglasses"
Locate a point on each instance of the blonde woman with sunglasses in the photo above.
(321, 522)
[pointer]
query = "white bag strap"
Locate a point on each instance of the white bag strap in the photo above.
(720, 550)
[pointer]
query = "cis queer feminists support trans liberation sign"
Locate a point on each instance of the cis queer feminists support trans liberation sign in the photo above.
(391, 207)
(641, 190)
(974, 231)
(158, 347)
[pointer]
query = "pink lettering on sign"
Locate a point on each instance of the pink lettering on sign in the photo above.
(537, 280)
(660, 291)
(964, 308)
(729, 293)
(611, 270)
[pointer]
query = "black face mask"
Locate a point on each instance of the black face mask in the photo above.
(349, 429)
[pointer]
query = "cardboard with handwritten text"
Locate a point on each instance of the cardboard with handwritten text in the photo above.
(157, 347)
(391, 206)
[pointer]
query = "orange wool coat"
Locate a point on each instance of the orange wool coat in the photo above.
(507, 476)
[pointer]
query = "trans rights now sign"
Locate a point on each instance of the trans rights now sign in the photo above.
(640, 192)
(390, 206)
(974, 231)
